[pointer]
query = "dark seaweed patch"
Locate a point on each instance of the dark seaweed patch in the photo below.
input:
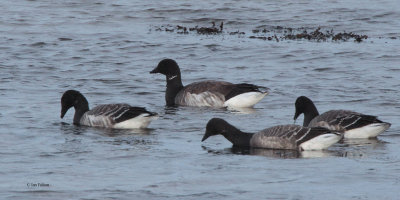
(180, 29)
(270, 33)
(237, 33)
(316, 35)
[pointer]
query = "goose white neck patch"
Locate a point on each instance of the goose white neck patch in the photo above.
(172, 77)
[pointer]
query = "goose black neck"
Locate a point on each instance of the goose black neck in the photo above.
(310, 113)
(81, 107)
(237, 137)
(174, 85)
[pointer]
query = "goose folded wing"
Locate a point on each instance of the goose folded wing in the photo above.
(118, 112)
(228, 90)
(294, 132)
(285, 136)
(206, 93)
(354, 120)
(221, 87)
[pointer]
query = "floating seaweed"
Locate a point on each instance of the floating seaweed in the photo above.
(317, 35)
(270, 33)
(199, 30)
(346, 36)
(259, 37)
(237, 33)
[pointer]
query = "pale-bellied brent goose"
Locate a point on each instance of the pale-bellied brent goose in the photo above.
(119, 116)
(277, 137)
(352, 124)
(207, 93)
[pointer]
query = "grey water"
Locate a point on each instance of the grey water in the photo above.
(106, 49)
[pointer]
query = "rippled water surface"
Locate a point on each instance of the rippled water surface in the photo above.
(105, 49)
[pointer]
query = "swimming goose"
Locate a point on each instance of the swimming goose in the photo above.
(277, 137)
(119, 116)
(207, 93)
(353, 124)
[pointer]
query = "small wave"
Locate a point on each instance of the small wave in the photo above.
(323, 69)
(383, 15)
(130, 17)
(38, 44)
(389, 57)
(64, 39)
(241, 67)
(288, 56)
(144, 93)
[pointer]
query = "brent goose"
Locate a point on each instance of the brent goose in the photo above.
(119, 116)
(277, 137)
(352, 124)
(207, 93)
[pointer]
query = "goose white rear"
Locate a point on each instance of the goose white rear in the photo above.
(321, 142)
(141, 121)
(248, 99)
(369, 131)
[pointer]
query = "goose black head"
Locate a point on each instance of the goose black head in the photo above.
(302, 104)
(71, 98)
(168, 67)
(215, 126)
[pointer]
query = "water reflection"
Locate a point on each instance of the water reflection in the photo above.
(319, 154)
(67, 128)
(121, 132)
(137, 142)
(350, 148)
(370, 142)
(171, 110)
(360, 148)
(242, 110)
(273, 153)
